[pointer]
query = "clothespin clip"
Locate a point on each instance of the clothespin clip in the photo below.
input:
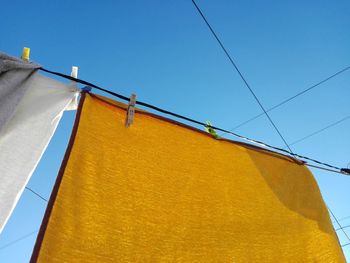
(25, 54)
(131, 111)
(345, 170)
(74, 73)
(210, 130)
(87, 88)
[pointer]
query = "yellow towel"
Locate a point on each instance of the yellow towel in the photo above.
(159, 191)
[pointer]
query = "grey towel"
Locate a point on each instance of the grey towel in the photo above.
(14, 78)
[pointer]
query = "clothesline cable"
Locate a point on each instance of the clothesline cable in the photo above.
(239, 73)
(292, 97)
(327, 169)
(84, 83)
(335, 169)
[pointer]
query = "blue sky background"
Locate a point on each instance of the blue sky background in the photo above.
(162, 51)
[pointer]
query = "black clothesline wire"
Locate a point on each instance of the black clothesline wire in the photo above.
(345, 171)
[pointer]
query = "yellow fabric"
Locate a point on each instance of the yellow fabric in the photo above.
(161, 192)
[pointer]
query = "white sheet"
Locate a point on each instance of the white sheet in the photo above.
(26, 135)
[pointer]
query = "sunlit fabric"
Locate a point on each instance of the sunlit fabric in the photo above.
(14, 81)
(26, 134)
(159, 191)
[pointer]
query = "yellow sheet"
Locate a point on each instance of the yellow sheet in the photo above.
(161, 192)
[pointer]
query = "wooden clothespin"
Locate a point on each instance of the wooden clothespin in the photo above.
(25, 54)
(74, 73)
(131, 111)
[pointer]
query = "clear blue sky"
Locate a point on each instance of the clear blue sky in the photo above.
(163, 51)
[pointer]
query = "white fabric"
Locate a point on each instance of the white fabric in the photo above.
(26, 135)
(14, 81)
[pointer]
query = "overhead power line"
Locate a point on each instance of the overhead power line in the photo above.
(344, 218)
(38, 195)
(320, 130)
(347, 226)
(18, 239)
(239, 72)
(84, 82)
(291, 98)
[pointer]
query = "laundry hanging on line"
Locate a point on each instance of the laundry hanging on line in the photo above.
(30, 110)
(14, 81)
(160, 191)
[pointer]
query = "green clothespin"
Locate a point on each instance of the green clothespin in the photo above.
(210, 130)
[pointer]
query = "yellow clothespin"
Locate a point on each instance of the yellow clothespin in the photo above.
(74, 73)
(25, 53)
(131, 111)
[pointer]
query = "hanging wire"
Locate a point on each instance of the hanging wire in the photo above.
(327, 169)
(347, 226)
(344, 218)
(34, 192)
(341, 228)
(336, 169)
(321, 130)
(240, 73)
(291, 98)
(18, 239)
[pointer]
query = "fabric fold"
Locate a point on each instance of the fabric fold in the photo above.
(36, 111)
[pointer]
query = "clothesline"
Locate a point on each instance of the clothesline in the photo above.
(335, 169)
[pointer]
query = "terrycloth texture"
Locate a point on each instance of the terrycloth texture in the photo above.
(14, 81)
(25, 136)
(161, 192)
